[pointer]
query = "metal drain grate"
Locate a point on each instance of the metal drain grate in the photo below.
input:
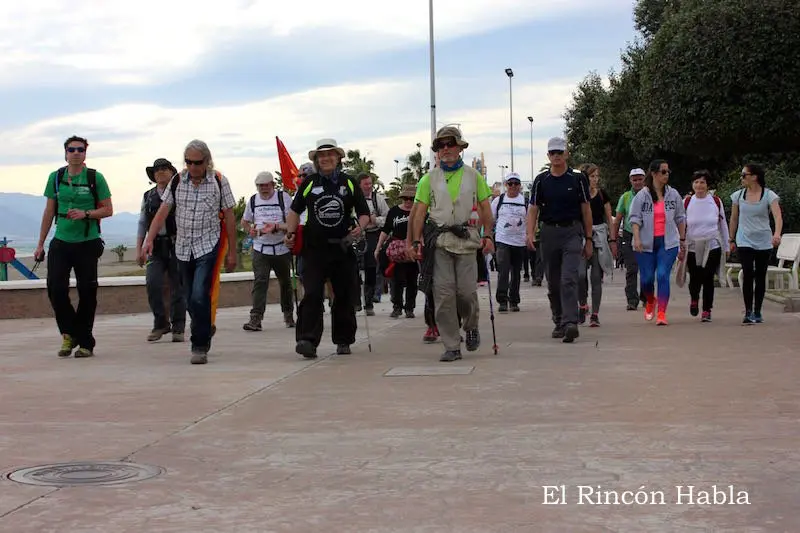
(81, 474)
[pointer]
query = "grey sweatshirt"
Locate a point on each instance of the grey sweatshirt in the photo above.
(642, 216)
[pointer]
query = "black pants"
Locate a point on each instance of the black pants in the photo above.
(754, 269)
(162, 269)
(370, 269)
(483, 271)
(405, 280)
(328, 261)
(509, 265)
(633, 292)
(62, 258)
(703, 277)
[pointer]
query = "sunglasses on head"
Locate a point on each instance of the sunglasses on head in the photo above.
(73, 149)
(190, 162)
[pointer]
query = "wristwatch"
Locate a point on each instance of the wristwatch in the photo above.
(415, 244)
(86, 214)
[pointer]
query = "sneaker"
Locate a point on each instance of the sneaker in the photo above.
(706, 316)
(306, 349)
(370, 311)
(430, 336)
(288, 319)
(450, 355)
(343, 349)
(502, 308)
(83, 352)
(558, 332)
(515, 308)
(473, 340)
(594, 321)
(254, 324)
(178, 336)
(67, 345)
(694, 308)
(157, 333)
(748, 319)
(649, 310)
(662, 319)
(632, 307)
(582, 310)
(396, 312)
(409, 314)
(757, 318)
(570, 333)
(199, 357)
(526, 279)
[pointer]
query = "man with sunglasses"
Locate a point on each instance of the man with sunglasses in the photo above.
(632, 292)
(203, 204)
(77, 198)
(509, 210)
(560, 196)
(447, 194)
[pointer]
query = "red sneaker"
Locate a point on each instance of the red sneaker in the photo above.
(650, 310)
(431, 335)
(662, 319)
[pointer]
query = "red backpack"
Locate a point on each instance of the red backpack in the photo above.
(716, 201)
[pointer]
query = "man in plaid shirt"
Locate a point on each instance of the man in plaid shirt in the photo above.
(199, 194)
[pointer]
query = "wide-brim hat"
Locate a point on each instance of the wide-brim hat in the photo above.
(157, 164)
(408, 191)
(325, 145)
(449, 131)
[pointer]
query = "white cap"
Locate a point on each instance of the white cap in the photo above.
(637, 172)
(557, 143)
(264, 177)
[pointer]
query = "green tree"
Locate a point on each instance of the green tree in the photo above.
(238, 213)
(120, 250)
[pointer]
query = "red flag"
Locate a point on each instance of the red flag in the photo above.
(289, 173)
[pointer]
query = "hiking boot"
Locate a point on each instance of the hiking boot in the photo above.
(450, 356)
(254, 324)
(706, 316)
(570, 333)
(288, 319)
(694, 308)
(594, 321)
(558, 332)
(343, 349)
(67, 345)
(473, 340)
(515, 308)
(396, 312)
(662, 319)
(748, 319)
(409, 314)
(582, 310)
(431, 335)
(157, 333)
(650, 310)
(83, 352)
(178, 336)
(502, 308)
(199, 356)
(306, 349)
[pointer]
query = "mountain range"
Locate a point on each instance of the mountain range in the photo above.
(21, 217)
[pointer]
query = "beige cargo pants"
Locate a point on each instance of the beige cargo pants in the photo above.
(455, 292)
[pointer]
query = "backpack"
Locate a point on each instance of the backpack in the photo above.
(280, 204)
(91, 179)
(173, 186)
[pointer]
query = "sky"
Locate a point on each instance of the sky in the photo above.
(141, 79)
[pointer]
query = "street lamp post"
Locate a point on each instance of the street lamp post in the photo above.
(510, 74)
(433, 81)
(397, 169)
(530, 119)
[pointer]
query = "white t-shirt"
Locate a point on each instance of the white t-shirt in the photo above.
(703, 222)
(510, 227)
(268, 212)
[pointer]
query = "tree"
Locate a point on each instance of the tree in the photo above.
(354, 164)
(414, 169)
(238, 213)
(120, 251)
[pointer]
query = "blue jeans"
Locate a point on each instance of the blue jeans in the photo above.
(656, 266)
(197, 275)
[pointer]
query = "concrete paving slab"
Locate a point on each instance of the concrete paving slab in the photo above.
(261, 440)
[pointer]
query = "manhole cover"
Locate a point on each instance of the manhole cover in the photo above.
(88, 473)
(430, 371)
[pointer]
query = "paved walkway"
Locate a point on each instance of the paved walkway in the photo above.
(260, 441)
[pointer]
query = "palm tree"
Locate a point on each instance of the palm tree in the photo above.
(414, 169)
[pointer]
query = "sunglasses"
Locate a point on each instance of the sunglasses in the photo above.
(555, 152)
(448, 144)
(73, 149)
(665, 172)
(190, 162)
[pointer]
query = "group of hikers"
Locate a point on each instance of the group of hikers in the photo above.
(340, 238)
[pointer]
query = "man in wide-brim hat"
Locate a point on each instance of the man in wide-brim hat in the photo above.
(447, 242)
(330, 196)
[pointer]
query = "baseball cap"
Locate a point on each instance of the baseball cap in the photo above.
(513, 176)
(637, 172)
(556, 143)
(264, 177)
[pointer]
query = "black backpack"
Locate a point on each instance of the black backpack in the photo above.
(280, 203)
(91, 179)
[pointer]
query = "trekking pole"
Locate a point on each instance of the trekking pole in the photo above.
(294, 286)
(366, 325)
(491, 306)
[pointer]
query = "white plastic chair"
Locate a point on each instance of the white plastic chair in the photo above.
(789, 250)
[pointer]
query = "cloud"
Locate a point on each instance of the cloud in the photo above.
(384, 120)
(54, 43)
